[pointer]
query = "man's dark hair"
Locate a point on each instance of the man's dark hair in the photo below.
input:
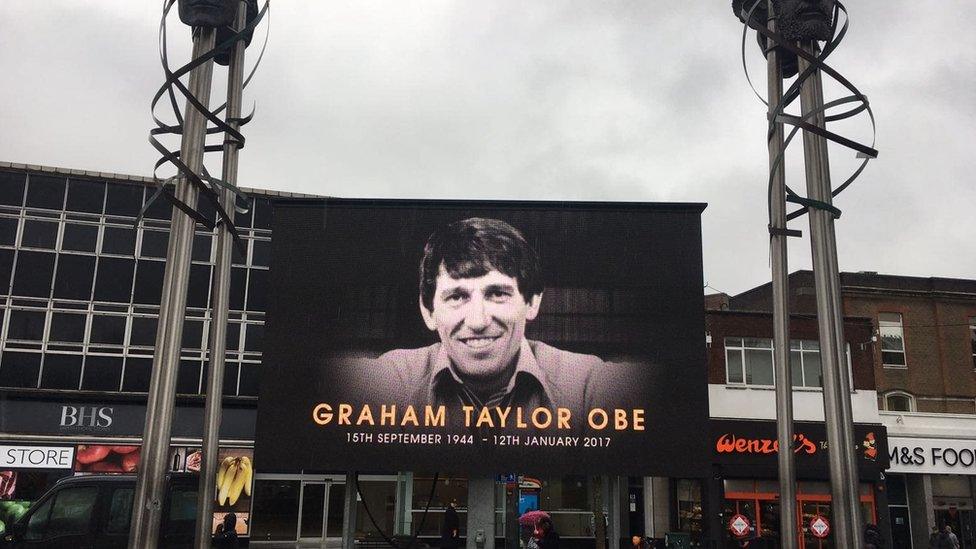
(474, 247)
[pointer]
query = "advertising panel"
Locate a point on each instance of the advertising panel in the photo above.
(235, 478)
(484, 337)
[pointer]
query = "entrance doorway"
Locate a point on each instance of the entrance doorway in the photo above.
(320, 514)
(962, 523)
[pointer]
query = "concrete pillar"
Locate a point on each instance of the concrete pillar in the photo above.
(481, 513)
(349, 516)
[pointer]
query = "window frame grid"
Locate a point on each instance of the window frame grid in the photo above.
(900, 326)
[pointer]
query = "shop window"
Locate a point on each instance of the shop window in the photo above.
(972, 338)
(119, 241)
(79, 238)
(275, 510)
(380, 496)
(39, 234)
(137, 374)
(114, 279)
(107, 329)
(149, 282)
(67, 327)
(154, 243)
(124, 200)
(34, 273)
(892, 340)
(689, 495)
(74, 278)
(85, 196)
(898, 401)
(8, 231)
(102, 373)
(45, 192)
(12, 188)
(61, 371)
(26, 325)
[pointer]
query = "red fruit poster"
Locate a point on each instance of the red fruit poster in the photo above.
(100, 458)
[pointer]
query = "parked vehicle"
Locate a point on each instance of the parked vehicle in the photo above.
(94, 511)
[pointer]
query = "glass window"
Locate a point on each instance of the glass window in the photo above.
(231, 371)
(37, 524)
(249, 378)
(39, 234)
(238, 252)
(160, 208)
(19, 369)
(8, 231)
(149, 282)
(238, 283)
(275, 512)
(188, 378)
(192, 334)
(257, 289)
(892, 339)
(61, 371)
(34, 273)
(897, 492)
(254, 339)
(79, 238)
(198, 291)
(233, 336)
(120, 511)
(899, 402)
(759, 366)
(74, 279)
(119, 241)
(154, 243)
(13, 184)
(26, 325)
(107, 329)
(68, 327)
(85, 196)
(6, 266)
(689, 495)
(261, 253)
(102, 373)
(201, 247)
(143, 331)
(137, 374)
(262, 214)
(45, 191)
(114, 279)
(733, 363)
(123, 199)
(72, 511)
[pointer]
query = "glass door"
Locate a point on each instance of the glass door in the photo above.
(320, 514)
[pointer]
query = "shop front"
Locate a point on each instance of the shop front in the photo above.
(744, 489)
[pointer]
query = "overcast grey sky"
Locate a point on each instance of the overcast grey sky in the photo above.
(630, 101)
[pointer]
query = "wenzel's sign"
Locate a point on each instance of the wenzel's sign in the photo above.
(932, 455)
(730, 443)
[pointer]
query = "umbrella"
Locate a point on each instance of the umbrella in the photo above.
(530, 518)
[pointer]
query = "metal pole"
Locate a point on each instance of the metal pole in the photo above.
(845, 505)
(781, 311)
(221, 300)
(151, 479)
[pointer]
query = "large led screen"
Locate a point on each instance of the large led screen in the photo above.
(484, 338)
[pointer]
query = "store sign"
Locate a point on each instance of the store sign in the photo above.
(932, 456)
(740, 526)
(754, 443)
(485, 337)
(819, 527)
(36, 457)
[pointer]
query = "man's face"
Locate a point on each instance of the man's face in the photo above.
(208, 13)
(481, 321)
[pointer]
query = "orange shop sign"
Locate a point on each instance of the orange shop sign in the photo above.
(729, 443)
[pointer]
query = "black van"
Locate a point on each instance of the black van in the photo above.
(93, 512)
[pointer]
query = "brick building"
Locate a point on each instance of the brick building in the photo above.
(925, 368)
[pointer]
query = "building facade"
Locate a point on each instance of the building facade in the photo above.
(924, 361)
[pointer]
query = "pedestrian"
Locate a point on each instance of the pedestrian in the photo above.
(546, 536)
(872, 537)
(951, 537)
(226, 537)
(450, 536)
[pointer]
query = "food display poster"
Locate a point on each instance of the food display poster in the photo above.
(235, 479)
